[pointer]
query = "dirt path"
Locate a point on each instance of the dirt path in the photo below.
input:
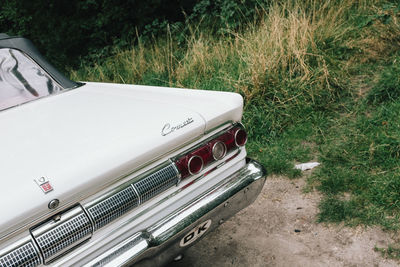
(264, 235)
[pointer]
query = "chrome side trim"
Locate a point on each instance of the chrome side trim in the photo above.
(24, 255)
(135, 243)
(177, 171)
(131, 194)
(136, 192)
(56, 236)
(159, 243)
(113, 207)
(156, 182)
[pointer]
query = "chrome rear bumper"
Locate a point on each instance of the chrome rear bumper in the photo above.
(161, 242)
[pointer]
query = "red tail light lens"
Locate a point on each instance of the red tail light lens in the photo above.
(195, 164)
(204, 153)
(194, 161)
(182, 166)
(228, 139)
(240, 137)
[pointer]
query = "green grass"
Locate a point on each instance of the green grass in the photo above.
(361, 158)
(321, 81)
(392, 251)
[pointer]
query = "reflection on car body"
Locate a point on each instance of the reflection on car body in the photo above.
(22, 80)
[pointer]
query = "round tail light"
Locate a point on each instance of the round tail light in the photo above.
(240, 137)
(195, 164)
(218, 150)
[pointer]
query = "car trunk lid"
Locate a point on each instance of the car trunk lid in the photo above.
(84, 139)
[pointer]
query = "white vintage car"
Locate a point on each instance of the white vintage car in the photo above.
(97, 174)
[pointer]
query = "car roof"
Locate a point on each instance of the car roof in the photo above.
(26, 46)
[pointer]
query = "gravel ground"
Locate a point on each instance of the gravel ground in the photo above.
(280, 229)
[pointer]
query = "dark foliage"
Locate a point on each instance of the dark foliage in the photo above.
(66, 30)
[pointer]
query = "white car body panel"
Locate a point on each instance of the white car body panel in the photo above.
(58, 137)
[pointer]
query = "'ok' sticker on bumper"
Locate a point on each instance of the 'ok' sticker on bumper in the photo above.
(194, 234)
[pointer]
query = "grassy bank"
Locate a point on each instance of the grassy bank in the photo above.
(284, 64)
(320, 81)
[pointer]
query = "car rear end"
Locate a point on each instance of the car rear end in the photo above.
(150, 214)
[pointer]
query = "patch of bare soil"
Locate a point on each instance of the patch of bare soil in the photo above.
(280, 229)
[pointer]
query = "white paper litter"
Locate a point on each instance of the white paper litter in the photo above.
(306, 166)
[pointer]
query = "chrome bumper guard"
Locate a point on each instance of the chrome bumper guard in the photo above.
(160, 243)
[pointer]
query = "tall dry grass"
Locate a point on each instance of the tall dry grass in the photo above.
(295, 57)
(297, 65)
(286, 45)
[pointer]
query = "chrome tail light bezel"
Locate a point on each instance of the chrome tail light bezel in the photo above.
(228, 137)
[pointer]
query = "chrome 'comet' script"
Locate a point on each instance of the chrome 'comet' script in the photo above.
(168, 128)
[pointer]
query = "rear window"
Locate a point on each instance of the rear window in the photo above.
(22, 80)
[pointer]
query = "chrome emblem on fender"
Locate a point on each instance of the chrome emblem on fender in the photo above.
(168, 128)
(44, 184)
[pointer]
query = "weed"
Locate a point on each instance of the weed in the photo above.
(388, 87)
(391, 252)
